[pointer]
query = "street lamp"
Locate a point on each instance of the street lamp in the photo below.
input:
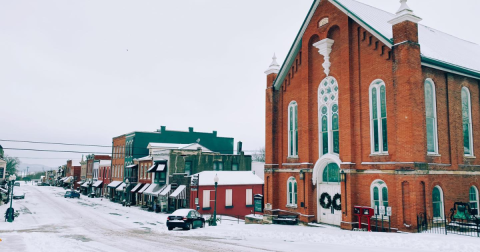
(10, 212)
(214, 223)
(127, 184)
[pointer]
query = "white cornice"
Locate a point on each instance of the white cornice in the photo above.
(324, 47)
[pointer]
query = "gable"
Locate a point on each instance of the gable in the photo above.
(438, 49)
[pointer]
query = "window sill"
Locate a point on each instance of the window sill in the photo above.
(292, 206)
(433, 155)
(470, 157)
(293, 157)
(228, 207)
(379, 154)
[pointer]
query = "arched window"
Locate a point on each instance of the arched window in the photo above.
(467, 122)
(379, 194)
(378, 117)
(473, 195)
(331, 173)
(431, 116)
(437, 202)
(292, 130)
(328, 117)
(292, 192)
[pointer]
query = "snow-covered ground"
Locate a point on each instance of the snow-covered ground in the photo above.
(49, 222)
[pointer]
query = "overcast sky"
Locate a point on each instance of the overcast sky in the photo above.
(86, 71)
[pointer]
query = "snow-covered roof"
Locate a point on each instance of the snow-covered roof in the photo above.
(97, 183)
(174, 146)
(437, 49)
(145, 187)
(114, 184)
(143, 158)
(229, 178)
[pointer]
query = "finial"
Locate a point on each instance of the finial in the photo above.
(404, 13)
(274, 67)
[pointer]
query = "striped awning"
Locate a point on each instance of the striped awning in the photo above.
(143, 188)
(180, 192)
(136, 187)
(166, 191)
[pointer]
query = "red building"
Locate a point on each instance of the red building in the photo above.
(377, 96)
(235, 191)
(73, 171)
(104, 175)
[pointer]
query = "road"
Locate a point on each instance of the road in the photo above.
(49, 222)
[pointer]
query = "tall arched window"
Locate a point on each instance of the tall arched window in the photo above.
(473, 196)
(379, 194)
(292, 192)
(292, 129)
(431, 117)
(378, 117)
(328, 117)
(467, 122)
(437, 202)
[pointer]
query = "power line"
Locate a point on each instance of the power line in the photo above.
(80, 152)
(71, 144)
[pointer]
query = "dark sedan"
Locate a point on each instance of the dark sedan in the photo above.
(186, 219)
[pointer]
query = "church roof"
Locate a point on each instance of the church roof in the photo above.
(438, 49)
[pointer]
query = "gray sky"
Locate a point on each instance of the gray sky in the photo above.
(86, 71)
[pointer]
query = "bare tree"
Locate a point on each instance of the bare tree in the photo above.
(12, 164)
(259, 156)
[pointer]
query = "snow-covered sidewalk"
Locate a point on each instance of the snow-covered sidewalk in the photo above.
(49, 222)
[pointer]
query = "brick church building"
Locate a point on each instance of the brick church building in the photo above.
(392, 104)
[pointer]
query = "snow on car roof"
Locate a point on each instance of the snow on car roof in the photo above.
(182, 212)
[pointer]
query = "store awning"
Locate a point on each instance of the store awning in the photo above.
(121, 186)
(134, 190)
(97, 183)
(3, 190)
(143, 188)
(132, 166)
(157, 168)
(150, 189)
(68, 180)
(80, 182)
(180, 192)
(114, 184)
(166, 191)
(86, 184)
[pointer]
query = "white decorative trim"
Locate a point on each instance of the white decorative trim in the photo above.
(470, 122)
(274, 66)
(322, 163)
(324, 47)
(435, 126)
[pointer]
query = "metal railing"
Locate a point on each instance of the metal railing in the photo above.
(466, 227)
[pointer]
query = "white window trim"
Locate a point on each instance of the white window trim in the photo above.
(477, 199)
(228, 197)
(377, 84)
(248, 197)
(435, 128)
(292, 193)
(442, 209)
(376, 183)
(290, 140)
(206, 199)
(470, 125)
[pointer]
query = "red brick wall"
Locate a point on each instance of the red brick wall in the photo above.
(357, 59)
(118, 160)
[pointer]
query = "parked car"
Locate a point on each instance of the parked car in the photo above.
(18, 195)
(186, 219)
(72, 194)
(16, 184)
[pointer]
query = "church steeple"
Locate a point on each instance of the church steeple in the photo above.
(274, 67)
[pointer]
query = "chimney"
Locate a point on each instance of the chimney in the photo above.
(405, 24)
(239, 147)
(163, 129)
(190, 129)
(215, 133)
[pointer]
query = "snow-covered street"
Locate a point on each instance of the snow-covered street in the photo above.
(49, 222)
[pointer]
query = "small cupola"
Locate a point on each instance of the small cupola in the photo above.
(404, 13)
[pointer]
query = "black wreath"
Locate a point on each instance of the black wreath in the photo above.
(322, 200)
(337, 197)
